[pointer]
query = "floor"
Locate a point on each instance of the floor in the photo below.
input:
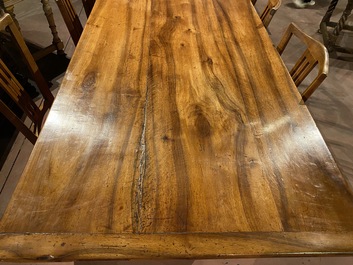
(331, 107)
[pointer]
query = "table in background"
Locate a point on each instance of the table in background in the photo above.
(330, 38)
(57, 44)
(177, 133)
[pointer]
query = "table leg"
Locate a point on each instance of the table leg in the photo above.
(326, 22)
(330, 38)
(49, 15)
(329, 12)
(343, 19)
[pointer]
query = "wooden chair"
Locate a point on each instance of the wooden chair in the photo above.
(315, 54)
(88, 5)
(71, 19)
(14, 89)
(269, 11)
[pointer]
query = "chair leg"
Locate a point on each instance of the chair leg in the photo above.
(88, 5)
(32, 66)
(13, 88)
(71, 19)
(17, 123)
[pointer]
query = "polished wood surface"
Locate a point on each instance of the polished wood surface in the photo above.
(177, 133)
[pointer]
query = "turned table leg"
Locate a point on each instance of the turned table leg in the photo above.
(330, 38)
(49, 15)
(325, 22)
(343, 19)
(329, 11)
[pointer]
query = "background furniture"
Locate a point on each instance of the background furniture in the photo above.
(13, 88)
(88, 5)
(57, 44)
(315, 54)
(8, 5)
(269, 11)
(330, 37)
(71, 19)
(69, 15)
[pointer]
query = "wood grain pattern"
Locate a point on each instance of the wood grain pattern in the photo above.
(67, 247)
(177, 132)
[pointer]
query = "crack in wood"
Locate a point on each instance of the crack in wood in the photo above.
(141, 168)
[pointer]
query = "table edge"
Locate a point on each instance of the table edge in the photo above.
(71, 247)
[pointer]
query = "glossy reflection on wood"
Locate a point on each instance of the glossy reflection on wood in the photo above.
(177, 132)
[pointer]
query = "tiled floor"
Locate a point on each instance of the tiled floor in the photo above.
(331, 107)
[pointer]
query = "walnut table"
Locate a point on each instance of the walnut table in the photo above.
(177, 133)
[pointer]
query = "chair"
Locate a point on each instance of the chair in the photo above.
(269, 11)
(71, 19)
(88, 5)
(14, 89)
(315, 54)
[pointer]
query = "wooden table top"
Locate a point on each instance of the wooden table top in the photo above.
(177, 133)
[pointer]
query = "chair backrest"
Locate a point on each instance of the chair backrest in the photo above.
(71, 19)
(88, 5)
(269, 11)
(315, 54)
(14, 89)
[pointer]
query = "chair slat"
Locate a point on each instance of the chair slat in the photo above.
(71, 19)
(14, 89)
(315, 55)
(88, 5)
(269, 11)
